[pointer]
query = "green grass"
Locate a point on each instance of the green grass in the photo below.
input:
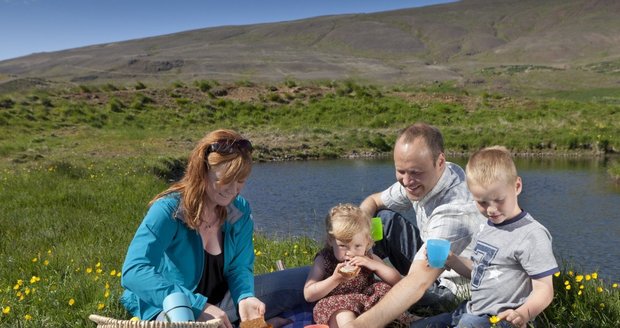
(77, 168)
(66, 227)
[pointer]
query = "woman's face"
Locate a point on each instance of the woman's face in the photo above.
(219, 193)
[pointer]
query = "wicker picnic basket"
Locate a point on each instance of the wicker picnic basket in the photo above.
(105, 322)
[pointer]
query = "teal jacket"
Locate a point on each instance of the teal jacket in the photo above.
(166, 256)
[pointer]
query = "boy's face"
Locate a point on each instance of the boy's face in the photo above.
(358, 246)
(497, 201)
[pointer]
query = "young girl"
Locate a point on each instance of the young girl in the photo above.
(342, 297)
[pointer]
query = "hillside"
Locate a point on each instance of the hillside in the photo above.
(498, 44)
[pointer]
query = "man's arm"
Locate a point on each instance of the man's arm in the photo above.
(372, 204)
(404, 294)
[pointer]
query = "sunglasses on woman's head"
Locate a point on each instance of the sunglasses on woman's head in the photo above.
(226, 147)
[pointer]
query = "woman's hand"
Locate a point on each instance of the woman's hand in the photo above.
(251, 308)
(213, 312)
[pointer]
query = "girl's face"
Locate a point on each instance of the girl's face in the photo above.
(497, 201)
(356, 247)
(222, 194)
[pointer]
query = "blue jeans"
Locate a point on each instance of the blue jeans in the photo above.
(458, 318)
(280, 291)
(401, 241)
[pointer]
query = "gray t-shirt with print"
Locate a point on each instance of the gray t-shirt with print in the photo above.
(506, 258)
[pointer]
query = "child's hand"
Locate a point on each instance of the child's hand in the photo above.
(364, 262)
(516, 318)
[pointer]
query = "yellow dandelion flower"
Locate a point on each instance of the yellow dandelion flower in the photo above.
(27, 291)
(46, 262)
(579, 278)
(6, 310)
(34, 259)
(21, 298)
(579, 293)
(602, 305)
(582, 286)
(96, 278)
(615, 285)
(89, 270)
(18, 294)
(113, 273)
(99, 270)
(566, 282)
(71, 302)
(259, 253)
(118, 274)
(49, 252)
(107, 286)
(493, 319)
(567, 287)
(20, 282)
(285, 253)
(100, 306)
(106, 294)
(571, 273)
(594, 275)
(98, 265)
(588, 277)
(34, 279)
(599, 289)
(16, 287)
(557, 274)
(28, 317)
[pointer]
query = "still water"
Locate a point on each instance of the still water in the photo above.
(574, 199)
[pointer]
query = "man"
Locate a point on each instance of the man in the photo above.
(437, 191)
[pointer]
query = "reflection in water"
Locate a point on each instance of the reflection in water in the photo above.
(573, 198)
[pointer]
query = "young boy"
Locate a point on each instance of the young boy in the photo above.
(512, 265)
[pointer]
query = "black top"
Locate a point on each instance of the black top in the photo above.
(213, 284)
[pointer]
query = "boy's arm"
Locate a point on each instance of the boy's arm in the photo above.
(460, 264)
(537, 301)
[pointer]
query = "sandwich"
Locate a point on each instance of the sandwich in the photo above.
(255, 323)
(349, 271)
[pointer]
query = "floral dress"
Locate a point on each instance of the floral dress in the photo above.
(357, 294)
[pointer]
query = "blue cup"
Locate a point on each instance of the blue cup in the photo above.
(437, 252)
(177, 308)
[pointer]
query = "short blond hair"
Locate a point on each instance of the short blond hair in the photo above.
(489, 165)
(344, 221)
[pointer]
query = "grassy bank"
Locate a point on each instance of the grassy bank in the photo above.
(78, 166)
(290, 121)
(65, 230)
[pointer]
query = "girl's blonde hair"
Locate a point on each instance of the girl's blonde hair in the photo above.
(344, 221)
(236, 166)
(489, 165)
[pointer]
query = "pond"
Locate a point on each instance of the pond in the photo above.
(574, 198)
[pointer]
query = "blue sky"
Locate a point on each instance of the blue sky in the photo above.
(29, 26)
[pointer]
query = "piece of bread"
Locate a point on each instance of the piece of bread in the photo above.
(349, 270)
(255, 323)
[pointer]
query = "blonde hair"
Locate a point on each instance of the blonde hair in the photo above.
(344, 221)
(193, 186)
(489, 165)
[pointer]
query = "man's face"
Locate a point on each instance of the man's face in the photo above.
(414, 167)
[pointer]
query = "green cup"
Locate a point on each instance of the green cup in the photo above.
(376, 228)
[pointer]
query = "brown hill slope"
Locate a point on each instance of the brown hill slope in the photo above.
(558, 43)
